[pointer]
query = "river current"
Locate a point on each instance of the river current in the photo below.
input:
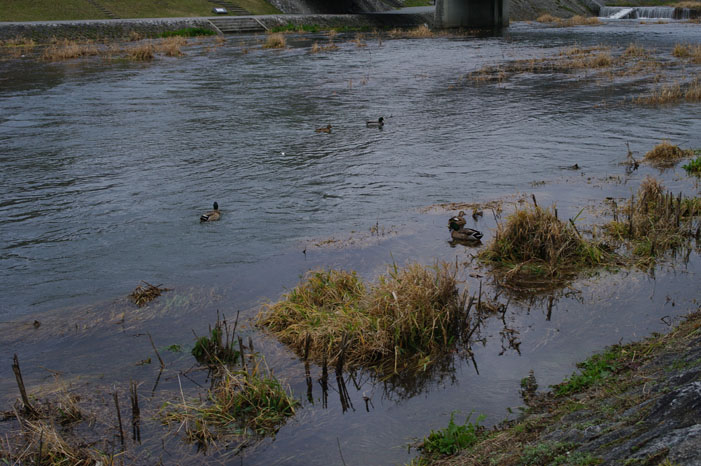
(106, 167)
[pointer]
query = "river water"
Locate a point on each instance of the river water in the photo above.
(106, 167)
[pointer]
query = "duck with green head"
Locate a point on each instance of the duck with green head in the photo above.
(375, 124)
(212, 215)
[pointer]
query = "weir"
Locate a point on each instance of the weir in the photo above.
(472, 13)
(649, 12)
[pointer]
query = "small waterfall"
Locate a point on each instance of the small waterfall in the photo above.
(661, 12)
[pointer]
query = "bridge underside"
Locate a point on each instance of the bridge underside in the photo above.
(472, 13)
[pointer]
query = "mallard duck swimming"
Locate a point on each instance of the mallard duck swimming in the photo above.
(212, 215)
(476, 214)
(327, 129)
(465, 234)
(376, 124)
(457, 222)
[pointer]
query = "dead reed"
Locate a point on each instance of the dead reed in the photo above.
(275, 41)
(654, 221)
(419, 32)
(332, 316)
(665, 154)
(688, 51)
(146, 293)
(672, 94)
(68, 49)
(534, 245)
(141, 52)
(576, 20)
(171, 46)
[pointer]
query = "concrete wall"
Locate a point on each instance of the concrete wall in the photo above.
(472, 13)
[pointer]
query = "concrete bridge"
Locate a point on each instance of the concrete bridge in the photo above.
(472, 13)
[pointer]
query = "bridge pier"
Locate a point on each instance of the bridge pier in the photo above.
(472, 13)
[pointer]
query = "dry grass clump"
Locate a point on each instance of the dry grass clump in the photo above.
(419, 32)
(68, 49)
(656, 220)
(171, 46)
(254, 401)
(667, 154)
(535, 245)
(688, 4)
(408, 313)
(316, 48)
(17, 47)
(635, 51)
(692, 52)
(576, 20)
(141, 52)
(146, 293)
(672, 93)
(275, 41)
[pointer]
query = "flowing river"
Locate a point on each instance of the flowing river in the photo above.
(107, 165)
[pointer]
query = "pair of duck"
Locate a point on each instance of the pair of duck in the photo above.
(459, 232)
(370, 124)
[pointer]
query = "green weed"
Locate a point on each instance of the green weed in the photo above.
(453, 438)
(189, 32)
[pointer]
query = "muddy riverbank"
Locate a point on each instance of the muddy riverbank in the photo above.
(635, 404)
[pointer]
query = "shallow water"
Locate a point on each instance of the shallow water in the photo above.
(107, 166)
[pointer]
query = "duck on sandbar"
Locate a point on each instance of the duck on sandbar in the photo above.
(326, 129)
(212, 215)
(375, 124)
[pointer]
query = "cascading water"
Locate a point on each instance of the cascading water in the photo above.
(660, 12)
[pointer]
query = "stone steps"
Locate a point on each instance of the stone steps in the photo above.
(104, 10)
(237, 25)
(231, 8)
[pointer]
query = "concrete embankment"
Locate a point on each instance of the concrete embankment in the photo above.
(121, 28)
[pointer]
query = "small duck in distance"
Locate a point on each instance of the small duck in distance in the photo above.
(326, 129)
(375, 124)
(212, 215)
(457, 222)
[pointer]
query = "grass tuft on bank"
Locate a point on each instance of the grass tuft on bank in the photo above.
(398, 322)
(535, 247)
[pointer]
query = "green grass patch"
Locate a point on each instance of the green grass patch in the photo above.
(453, 438)
(51, 10)
(412, 3)
(189, 32)
(694, 166)
(398, 322)
(592, 371)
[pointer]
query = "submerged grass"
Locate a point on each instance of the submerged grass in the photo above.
(239, 404)
(666, 154)
(535, 246)
(333, 316)
(672, 94)
(656, 222)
